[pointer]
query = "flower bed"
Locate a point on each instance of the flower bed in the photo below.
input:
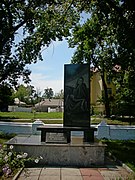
(11, 162)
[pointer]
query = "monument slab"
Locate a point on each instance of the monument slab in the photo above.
(77, 95)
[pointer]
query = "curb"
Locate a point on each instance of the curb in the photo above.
(17, 174)
(127, 168)
(121, 163)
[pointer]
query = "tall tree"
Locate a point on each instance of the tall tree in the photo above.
(5, 97)
(27, 94)
(59, 95)
(48, 93)
(40, 22)
(95, 46)
(105, 40)
(22, 93)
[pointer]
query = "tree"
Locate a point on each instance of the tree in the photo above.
(5, 97)
(27, 94)
(59, 95)
(21, 93)
(48, 94)
(125, 97)
(94, 47)
(37, 97)
(105, 40)
(40, 22)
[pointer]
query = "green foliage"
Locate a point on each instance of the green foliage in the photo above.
(27, 94)
(11, 160)
(54, 118)
(28, 115)
(26, 28)
(125, 109)
(96, 45)
(106, 41)
(48, 93)
(59, 95)
(5, 97)
(22, 92)
(122, 150)
(6, 136)
(125, 88)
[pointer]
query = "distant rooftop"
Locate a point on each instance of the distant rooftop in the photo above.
(50, 102)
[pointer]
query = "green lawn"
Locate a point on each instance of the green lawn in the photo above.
(30, 117)
(5, 137)
(123, 151)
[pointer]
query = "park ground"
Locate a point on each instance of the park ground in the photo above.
(122, 150)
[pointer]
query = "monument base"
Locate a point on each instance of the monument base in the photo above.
(73, 154)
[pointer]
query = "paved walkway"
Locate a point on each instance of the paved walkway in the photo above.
(47, 173)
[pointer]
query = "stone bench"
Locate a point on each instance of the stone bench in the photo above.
(88, 132)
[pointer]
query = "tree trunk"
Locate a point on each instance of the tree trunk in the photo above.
(107, 105)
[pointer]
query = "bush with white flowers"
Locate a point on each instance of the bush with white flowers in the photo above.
(11, 160)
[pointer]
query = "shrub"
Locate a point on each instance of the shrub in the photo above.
(10, 160)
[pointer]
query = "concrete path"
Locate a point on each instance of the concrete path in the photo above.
(47, 173)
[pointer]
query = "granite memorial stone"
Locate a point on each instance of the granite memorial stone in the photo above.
(77, 95)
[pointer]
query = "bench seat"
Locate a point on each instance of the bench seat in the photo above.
(88, 132)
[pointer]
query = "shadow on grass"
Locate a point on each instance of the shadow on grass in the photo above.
(123, 151)
(7, 118)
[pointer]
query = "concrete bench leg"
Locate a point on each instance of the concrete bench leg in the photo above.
(43, 136)
(88, 136)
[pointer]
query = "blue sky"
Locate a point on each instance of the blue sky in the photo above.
(50, 72)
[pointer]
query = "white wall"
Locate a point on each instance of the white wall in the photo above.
(19, 109)
(103, 130)
(17, 128)
(115, 132)
(20, 128)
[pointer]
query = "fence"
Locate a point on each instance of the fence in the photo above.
(103, 130)
(19, 109)
(20, 128)
(115, 132)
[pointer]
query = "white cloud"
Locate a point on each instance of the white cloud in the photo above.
(49, 72)
(51, 48)
(41, 82)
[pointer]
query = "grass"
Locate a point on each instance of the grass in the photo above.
(29, 115)
(109, 121)
(45, 117)
(5, 137)
(2, 140)
(123, 151)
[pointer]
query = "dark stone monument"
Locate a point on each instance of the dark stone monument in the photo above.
(76, 107)
(77, 95)
(57, 145)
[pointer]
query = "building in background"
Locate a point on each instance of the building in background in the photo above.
(50, 105)
(96, 92)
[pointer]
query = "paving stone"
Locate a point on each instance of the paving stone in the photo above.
(28, 178)
(50, 171)
(46, 177)
(111, 175)
(71, 177)
(93, 178)
(70, 172)
(90, 172)
(31, 172)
